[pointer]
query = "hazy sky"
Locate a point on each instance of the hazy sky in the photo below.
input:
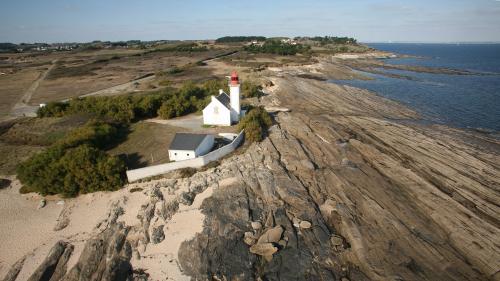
(367, 20)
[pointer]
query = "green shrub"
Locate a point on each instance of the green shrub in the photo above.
(24, 190)
(255, 123)
(94, 133)
(186, 172)
(175, 70)
(250, 90)
(75, 164)
(52, 109)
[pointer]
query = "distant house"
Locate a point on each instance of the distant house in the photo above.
(186, 146)
(224, 109)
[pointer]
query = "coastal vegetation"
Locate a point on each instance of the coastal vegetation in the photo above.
(330, 40)
(255, 123)
(167, 103)
(278, 48)
(237, 39)
(76, 164)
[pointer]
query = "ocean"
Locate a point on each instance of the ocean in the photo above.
(464, 101)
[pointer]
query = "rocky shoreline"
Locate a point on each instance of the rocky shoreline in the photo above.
(339, 190)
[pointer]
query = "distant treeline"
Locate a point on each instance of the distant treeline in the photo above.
(236, 39)
(185, 47)
(330, 40)
(277, 47)
(8, 47)
(166, 104)
(75, 164)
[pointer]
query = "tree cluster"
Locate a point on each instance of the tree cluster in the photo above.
(277, 47)
(75, 164)
(238, 39)
(167, 103)
(255, 123)
(331, 40)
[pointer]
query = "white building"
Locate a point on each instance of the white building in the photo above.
(188, 146)
(224, 110)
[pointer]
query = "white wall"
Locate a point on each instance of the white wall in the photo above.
(179, 155)
(220, 116)
(197, 162)
(205, 146)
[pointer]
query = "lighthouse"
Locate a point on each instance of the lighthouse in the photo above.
(224, 109)
(234, 97)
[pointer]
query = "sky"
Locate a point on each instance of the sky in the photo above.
(367, 20)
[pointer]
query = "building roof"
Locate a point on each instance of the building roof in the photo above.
(185, 141)
(224, 99)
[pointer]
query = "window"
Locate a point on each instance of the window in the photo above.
(216, 110)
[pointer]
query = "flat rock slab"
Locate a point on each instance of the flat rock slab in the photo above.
(272, 235)
(264, 249)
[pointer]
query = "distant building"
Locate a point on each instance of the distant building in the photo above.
(224, 109)
(186, 146)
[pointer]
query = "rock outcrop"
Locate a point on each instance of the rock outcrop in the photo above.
(345, 187)
(105, 257)
(361, 193)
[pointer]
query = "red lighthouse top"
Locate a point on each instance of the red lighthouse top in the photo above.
(234, 78)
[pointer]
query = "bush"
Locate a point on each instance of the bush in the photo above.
(186, 172)
(75, 164)
(175, 70)
(53, 109)
(24, 190)
(250, 90)
(94, 133)
(255, 123)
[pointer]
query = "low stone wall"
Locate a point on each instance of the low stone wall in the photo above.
(197, 162)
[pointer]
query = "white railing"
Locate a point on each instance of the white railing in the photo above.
(197, 162)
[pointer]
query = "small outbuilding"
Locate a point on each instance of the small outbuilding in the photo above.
(186, 146)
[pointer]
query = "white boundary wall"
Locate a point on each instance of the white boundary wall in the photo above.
(197, 162)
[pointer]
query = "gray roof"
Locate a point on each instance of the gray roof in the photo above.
(184, 141)
(224, 99)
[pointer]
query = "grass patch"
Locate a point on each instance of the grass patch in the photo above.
(146, 144)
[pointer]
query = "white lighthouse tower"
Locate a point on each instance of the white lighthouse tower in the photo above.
(234, 96)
